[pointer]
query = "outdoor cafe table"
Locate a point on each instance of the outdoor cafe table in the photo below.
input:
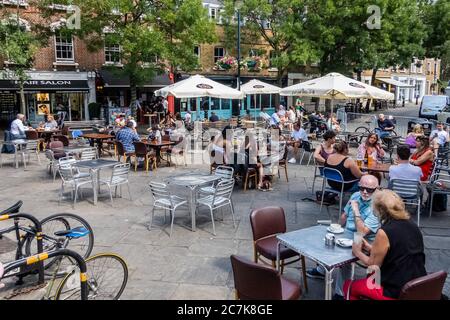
(192, 182)
(98, 138)
(94, 167)
(378, 167)
(157, 146)
(310, 243)
(69, 150)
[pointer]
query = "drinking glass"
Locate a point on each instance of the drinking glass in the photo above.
(357, 237)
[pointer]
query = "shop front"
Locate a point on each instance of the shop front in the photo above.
(47, 93)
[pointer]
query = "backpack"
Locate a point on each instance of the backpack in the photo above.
(7, 148)
(328, 197)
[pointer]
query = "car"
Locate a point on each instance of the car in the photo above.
(432, 105)
(444, 115)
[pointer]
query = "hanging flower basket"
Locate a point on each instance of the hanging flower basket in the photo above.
(226, 63)
(254, 64)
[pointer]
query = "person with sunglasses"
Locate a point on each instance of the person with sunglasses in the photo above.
(358, 216)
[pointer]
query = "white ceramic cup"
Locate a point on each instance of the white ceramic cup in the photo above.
(357, 237)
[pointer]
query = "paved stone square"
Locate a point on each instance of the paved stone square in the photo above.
(189, 265)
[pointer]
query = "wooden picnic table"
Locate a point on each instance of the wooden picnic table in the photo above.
(97, 138)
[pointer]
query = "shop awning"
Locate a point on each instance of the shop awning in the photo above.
(113, 80)
(395, 83)
(45, 85)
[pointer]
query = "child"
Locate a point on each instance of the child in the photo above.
(154, 134)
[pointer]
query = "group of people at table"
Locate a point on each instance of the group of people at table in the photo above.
(19, 126)
(392, 241)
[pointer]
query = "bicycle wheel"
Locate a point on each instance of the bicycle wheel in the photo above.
(107, 276)
(362, 129)
(60, 222)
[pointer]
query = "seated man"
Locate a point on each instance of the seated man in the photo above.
(127, 136)
(439, 137)
(17, 128)
(358, 216)
(404, 170)
(297, 137)
(385, 126)
(214, 117)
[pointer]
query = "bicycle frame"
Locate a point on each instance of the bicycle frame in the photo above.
(39, 258)
(38, 234)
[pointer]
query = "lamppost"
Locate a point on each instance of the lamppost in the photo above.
(238, 6)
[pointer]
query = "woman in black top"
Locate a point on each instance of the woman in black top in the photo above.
(345, 165)
(397, 254)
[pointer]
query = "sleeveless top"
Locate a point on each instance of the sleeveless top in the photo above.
(323, 153)
(405, 259)
(346, 174)
(426, 167)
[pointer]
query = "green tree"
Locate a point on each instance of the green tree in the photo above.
(17, 45)
(279, 23)
(152, 34)
(437, 42)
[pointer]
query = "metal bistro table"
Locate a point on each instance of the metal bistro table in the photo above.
(192, 182)
(310, 243)
(94, 167)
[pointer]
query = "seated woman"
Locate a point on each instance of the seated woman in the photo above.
(423, 157)
(417, 131)
(325, 149)
(51, 123)
(396, 255)
(345, 165)
(333, 123)
(372, 147)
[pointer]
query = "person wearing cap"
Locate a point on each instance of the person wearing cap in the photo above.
(127, 135)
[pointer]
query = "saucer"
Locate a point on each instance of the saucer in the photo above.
(345, 243)
(341, 230)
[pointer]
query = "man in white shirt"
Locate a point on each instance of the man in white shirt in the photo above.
(439, 137)
(17, 128)
(263, 114)
(404, 170)
(297, 137)
(281, 111)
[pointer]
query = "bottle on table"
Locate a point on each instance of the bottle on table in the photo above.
(366, 158)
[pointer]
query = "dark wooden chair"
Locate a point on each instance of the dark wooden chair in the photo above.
(283, 164)
(428, 287)
(61, 138)
(121, 152)
(141, 151)
(249, 174)
(253, 281)
(266, 224)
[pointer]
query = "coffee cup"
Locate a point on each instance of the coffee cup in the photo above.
(335, 227)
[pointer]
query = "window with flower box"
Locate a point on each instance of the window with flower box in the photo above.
(219, 53)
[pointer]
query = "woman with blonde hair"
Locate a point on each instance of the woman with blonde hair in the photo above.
(396, 256)
(417, 131)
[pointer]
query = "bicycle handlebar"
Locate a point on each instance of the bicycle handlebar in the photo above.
(38, 258)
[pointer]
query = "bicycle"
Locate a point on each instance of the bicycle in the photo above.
(56, 231)
(56, 254)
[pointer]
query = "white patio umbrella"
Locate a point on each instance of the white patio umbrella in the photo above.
(254, 87)
(199, 86)
(336, 86)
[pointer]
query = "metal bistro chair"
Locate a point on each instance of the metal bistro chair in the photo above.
(410, 191)
(119, 177)
(439, 184)
(88, 154)
(70, 161)
(318, 173)
(220, 198)
(307, 147)
(224, 172)
(163, 199)
(69, 178)
(330, 174)
(32, 147)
